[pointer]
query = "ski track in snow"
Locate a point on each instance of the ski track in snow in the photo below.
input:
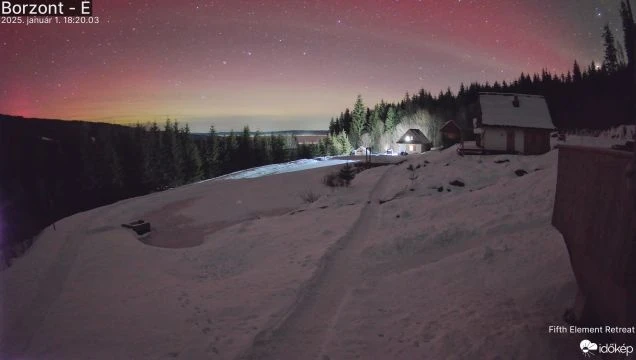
(309, 326)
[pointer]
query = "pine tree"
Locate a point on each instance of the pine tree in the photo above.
(358, 121)
(610, 62)
(332, 127)
(627, 18)
(245, 149)
(376, 127)
(192, 165)
(391, 121)
(152, 155)
(347, 173)
(277, 144)
(345, 143)
(229, 152)
(211, 157)
(576, 72)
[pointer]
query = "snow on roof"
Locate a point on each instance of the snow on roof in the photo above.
(416, 137)
(500, 110)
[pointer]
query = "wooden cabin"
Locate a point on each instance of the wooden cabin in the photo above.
(451, 133)
(514, 123)
(414, 142)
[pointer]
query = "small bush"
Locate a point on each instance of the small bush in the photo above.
(332, 180)
(308, 196)
(340, 178)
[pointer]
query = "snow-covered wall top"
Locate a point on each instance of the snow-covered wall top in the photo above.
(500, 110)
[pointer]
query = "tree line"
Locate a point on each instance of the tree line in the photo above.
(595, 96)
(51, 169)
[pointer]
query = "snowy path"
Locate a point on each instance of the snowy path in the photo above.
(310, 324)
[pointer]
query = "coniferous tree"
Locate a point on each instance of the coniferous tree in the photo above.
(229, 152)
(391, 120)
(245, 149)
(347, 173)
(192, 164)
(211, 157)
(278, 153)
(610, 62)
(627, 18)
(358, 122)
(576, 72)
(152, 157)
(376, 127)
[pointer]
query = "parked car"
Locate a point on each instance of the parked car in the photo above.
(389, 151)
(404, 153)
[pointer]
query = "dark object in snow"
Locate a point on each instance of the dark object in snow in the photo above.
(628, 146)
(440, 189)
(446, 164)
(426, 162)
(140, 227)
(458, 183)
(501, 161)
(410, 167)
(347, 174)
(412, 189)
(449, 190)
(418, 166)
(397, 216)
(324, 207)
(521, 172)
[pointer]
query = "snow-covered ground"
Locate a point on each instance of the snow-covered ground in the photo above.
(293, 166)
(401, 265)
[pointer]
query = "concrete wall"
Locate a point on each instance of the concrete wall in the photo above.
(594, 211)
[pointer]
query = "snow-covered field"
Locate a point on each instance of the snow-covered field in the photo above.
(293, 166)
(401, 265)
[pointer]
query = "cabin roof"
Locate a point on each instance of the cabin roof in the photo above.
(450, 125)
(499, 110)
(418, 137)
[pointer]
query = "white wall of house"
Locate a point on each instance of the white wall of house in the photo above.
(494, 139)
(410, 148)
(519, 140)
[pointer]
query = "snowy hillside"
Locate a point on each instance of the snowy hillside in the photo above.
(293, 166)
(400, 265)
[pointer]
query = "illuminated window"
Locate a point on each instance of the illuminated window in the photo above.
(411, 148)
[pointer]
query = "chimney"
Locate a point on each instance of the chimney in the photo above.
(515, 102)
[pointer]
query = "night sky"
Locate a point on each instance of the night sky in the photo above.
(288, 64)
